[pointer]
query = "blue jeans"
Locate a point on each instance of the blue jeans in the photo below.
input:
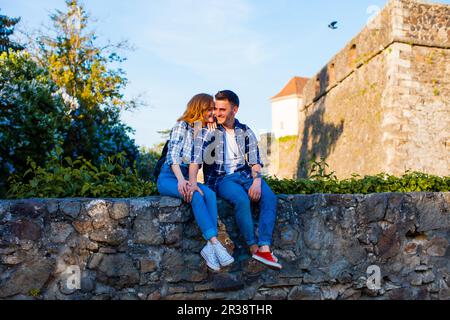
(204, 208)
(234, 188)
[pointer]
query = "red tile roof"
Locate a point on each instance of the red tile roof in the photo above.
(294, 87)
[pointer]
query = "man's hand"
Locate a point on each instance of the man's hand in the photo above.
(192, 189)
(255, 190)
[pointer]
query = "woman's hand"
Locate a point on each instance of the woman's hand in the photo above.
(183, 188)
(211, 126)
(192, 189)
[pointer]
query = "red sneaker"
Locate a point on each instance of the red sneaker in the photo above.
(268, 259)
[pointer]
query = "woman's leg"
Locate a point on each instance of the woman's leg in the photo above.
(220, 252)
(168, 186)
(203, 218)
(211, 203)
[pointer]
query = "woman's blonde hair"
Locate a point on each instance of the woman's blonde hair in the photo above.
(196, 108)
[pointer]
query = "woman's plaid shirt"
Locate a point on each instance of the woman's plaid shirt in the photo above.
(180, 144)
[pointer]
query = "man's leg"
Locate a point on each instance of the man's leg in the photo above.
(230, 190)
(267, 215)
(267, 212)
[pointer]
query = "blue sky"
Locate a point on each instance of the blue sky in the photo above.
(184, 47)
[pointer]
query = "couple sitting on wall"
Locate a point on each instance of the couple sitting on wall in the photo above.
(209, 135)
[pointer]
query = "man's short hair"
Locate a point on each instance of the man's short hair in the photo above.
(228, 95)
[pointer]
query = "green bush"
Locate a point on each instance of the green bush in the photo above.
(319, 182)
(32, 118)
(65, 178)
(146, 163)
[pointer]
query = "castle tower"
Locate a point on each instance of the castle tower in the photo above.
(381, 104)
(285, 108)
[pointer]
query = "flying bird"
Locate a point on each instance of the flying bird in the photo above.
(333, 25)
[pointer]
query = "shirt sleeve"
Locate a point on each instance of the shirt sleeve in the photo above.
(254, 157)
(197, 150)
(177, 136)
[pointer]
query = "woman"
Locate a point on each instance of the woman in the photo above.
(173, 180)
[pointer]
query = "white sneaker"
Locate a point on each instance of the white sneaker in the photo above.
(208, 253)
(225, 259)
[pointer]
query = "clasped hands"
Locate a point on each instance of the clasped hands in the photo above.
(187, 190)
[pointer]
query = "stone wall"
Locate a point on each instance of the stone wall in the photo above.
(283, 151)
(148, 248)
(382, 103)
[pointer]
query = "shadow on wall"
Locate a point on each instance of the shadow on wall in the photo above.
(323, 136)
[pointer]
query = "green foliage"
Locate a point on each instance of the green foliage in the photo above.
(435, 87)
(77, 64)
(65, 178)
(91, 87)
(318, 169)
(32, 118)
(6, 31)
(319, 182)
(35, 293)
(148, 157)
(288, 139)
(146, 163)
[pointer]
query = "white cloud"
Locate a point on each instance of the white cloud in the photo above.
(205, 35)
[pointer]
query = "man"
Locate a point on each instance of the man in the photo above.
(232, 168)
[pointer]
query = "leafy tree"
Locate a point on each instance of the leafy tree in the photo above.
(6, 30)
(32, 118)
(93, 89)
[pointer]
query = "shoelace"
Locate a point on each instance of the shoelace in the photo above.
(222, 251)
(211, 253)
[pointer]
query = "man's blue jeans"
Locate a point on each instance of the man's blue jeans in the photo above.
(204, 208)
(234, 188)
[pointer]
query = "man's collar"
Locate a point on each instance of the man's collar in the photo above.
(237, 124)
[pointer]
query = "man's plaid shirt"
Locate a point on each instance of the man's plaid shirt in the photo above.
(209, 151)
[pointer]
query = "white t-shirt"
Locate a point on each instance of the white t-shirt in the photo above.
(232, 154)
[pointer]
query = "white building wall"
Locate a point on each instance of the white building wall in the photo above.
(285, 117)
